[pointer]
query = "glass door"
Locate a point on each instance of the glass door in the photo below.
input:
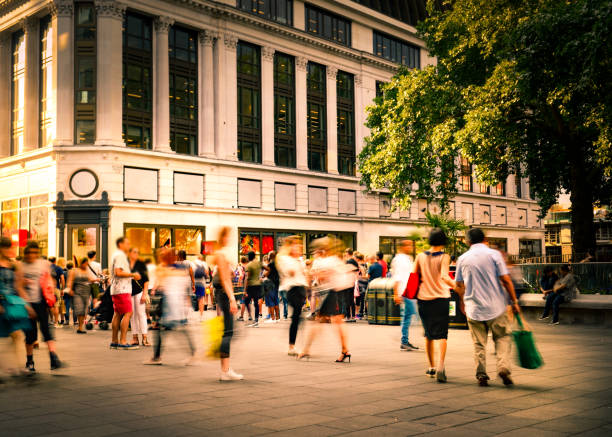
(82, 239)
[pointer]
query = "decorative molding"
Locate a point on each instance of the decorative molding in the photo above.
(207, 37)
(162, 24)
(332, 72)
(267, 53)
(110, 9)
(230, 41)
(358, 79)
(61, 8)
(29, 24)
(301, 63)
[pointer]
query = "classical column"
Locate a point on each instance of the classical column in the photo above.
(31, 119)
(332, 121)
(301, 113)
(226, 98)
(161, 102)
(5, 94)
(63, 70)
(206, 95)
(267, 105)
(109, 93)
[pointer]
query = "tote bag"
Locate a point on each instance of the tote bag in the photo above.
(528, 355)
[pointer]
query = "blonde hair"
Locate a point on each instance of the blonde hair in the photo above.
(288, 242)
(61, 262)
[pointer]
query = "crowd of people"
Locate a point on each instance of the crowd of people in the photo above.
(331, 284)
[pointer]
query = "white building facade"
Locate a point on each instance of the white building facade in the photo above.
(167, 119)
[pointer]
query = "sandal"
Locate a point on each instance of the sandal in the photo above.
(134, 343)
(146, 343)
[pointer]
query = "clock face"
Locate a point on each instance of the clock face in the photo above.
(83, 183)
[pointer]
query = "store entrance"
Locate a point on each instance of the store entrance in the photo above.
(82, 239)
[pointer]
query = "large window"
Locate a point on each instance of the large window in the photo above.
(396, 50)
(389, 246)
(249, 103)
(26, 219)
(182, 45)
(284, 110)
(280, 11)
(85, 73)
(137, 81)
(328, 25)
(17, 92)
(316, 117)
(499, 189)
(408, 11)
(466, 175)
(47, 112)
(148, 237)
(346, 123)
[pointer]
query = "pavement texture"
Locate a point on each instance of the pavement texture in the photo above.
(384, 391)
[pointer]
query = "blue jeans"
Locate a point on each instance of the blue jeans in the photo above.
(553, 300)
(407, 311)
(283, 296)
(68, 304)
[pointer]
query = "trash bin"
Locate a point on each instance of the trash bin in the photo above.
(456, 318)
(382, 309)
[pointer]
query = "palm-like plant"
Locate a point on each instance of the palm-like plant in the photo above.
(452, 228)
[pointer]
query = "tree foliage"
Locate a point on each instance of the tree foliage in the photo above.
(519, 87)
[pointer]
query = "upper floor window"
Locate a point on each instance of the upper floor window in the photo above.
(45, 90)
(280, 11)
(316, 97)
(85, 73)
(346, 123)
(284, 110)
(396, 50)
(18, 92)
(483, 188)
(328, 25)
(466, 174)
(408, 11)
(499, 189)
(249, 102)
(182, 45)
(137, 81)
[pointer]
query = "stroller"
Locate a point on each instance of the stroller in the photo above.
(102, 313)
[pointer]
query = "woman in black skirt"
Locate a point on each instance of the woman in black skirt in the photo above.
(433, 299)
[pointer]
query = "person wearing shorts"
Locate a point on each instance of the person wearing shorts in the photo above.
(121, 293)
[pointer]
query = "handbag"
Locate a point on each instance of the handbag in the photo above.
(528, 355)
(412, 287)
(47, 289)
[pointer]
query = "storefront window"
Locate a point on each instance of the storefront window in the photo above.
(143, 239)
(189, 240)
(147, 238)
(498, 243)
(389, 246)
(26, 219)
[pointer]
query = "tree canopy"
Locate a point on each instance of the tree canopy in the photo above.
(520, 87)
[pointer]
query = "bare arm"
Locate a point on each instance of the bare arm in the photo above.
(19, 282)
(119, 273)
(444, 271)
(62, 282)
(70, 279)
(460, 288)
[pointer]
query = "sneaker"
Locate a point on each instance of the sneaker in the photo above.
(250, 319)
(543, 317)
(57, 364)
(431, 372)
(292, 352)
(127, 347)
(554, 323)
(153, 362)
(411, 346)
(483, 381)
(240, 319)
(505, 376)
(114, 345)
(30, 367)
(441, 375)
(230, 375)
(405, 347)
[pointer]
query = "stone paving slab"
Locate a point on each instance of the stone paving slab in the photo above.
(383, 392)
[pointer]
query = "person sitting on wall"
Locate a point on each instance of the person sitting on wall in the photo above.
(563, 290)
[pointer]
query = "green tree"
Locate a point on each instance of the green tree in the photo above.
(519, 87)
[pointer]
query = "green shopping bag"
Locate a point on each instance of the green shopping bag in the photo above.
(528, 355)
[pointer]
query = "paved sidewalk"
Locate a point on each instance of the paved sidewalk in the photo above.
(382, 392)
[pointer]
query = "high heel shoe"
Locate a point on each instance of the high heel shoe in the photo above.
(345, 355)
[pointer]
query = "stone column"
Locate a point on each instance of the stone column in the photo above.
(332, 121)
(161, 91)
(226, 98)
(109, 91)
(206, 95)
(301, 113)
(31, 119)
(267, 105)
(5, 94)
(63, 71)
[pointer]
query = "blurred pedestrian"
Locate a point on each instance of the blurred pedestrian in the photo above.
(380, 259)
(362, 283)
(121, 293)
(226, 302)
(481, 278)
(401, 267)
(253, 289)
(272, 296)
(80, 291)
(140, 296)
(349, 294)
(293, 280)
(433, 300)
(240, 275)
(200, 275)
(58, 278)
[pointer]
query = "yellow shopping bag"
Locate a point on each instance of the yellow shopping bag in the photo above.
(212, 333)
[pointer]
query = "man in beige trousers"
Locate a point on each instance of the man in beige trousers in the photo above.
(481, 278)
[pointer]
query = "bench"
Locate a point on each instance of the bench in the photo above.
(586, 309)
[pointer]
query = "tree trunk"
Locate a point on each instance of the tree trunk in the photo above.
(581, 196)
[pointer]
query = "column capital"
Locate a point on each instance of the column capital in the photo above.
(230, 41)
(301, 63)
(267, 53)
(5, 40)
(332, 72)
(207, 37)
(162, 24)
(110, 9)
(358, 79)
(61, 8)
(28, 24)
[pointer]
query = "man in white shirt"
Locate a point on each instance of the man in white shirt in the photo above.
(481, 278)
(401, 267)
(121, 293)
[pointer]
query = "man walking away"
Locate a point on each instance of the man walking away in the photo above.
(253, 290)
(481, 278)
(121, 293)
(401, 266)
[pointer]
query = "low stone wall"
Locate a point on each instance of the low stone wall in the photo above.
(586, 309)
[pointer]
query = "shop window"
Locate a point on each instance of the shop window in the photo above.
(26, 219)
(147, 238)
(389, 246)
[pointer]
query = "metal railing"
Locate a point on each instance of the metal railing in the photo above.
(592, 278)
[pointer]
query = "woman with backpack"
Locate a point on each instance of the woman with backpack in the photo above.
(433, 299)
